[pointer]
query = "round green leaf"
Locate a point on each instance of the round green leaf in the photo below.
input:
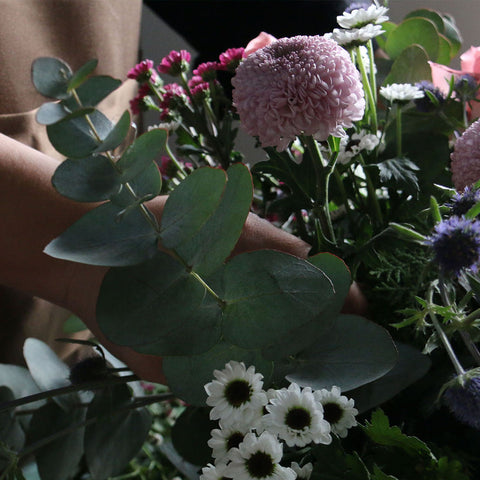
(445, 50)
(206, 250)
(82, 73)
(50, 113)
(73, 138)
(452, 33)
(191, 204)
(269, 295)
(429, 14)
(90, 179)
(354, 352)
(187, 376)
(156, 302)
(420, 31)
(51, 76)
(93, 91)
(117, 135)
(101, 237)
(410, 66)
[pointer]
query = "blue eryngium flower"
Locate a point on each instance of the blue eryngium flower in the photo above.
(462, 397)
(456, 244)
(466, 87)
(462, 202)
(425, 103)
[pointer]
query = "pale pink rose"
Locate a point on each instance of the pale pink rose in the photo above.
(470, 60)
(262, 40)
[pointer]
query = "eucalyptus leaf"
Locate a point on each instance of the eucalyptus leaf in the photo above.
(206, 250)
(191, 433)
(50, 113)
(164, 304)
(141, 153)
(59, 459)
(117, 135)
(410, 66)
(117, 436)
(430, 14)
(354, 352)
(191, 204)
(48, 371)
(269, 295)
(189, 470)
(82, 73)
(51, 76)
(93, 91)
(188, 375)
(73, 137)
(90, 179)
(101, 237)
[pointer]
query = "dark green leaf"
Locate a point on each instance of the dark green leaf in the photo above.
(163, 302)
(73, 324)
(117, 135)
(82, 73)
(50, 113)
(93, 91)
(11, 432)
(269, 295)
(191, 204)
(410, 66)
(101, 237)
(400, 173)
(90, 179)
(19, 380)
(60, 458)
(51, 76)
(213, 242)
(141, 153)
(191, 433)
(430, 14)
(74, 138)
(187, 376)
(354, 352)
(118, 434)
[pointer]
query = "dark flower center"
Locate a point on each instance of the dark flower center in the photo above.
(234, 440)
(298, 418)
(260, 465)
(238, 392)
(332, 412)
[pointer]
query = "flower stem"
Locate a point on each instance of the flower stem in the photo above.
(372, 195)
(368, 91)
(399, 130)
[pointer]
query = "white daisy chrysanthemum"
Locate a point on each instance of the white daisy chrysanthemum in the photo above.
(355, 36)
(213, 472)
(358, 142)
(258, 458)
(338, 410)
(360, 17)
(169, 126)
(401, 92)
(224, 439)
(296, 417)
(303, 473)
(236, 395)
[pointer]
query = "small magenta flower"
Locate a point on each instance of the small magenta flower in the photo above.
(207, 71)
(456, 244)
(299, 85)
(465, 164)
(231, 58)
(175, 63)
(141, 102)
(143, 72)
(462, 397)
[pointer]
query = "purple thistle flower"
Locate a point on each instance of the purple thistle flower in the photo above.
(175, 63)
(425, 104)
(465, 164)
(462, 202)
(463, 399)
(456, 244)
(466, 87)
(299, 85)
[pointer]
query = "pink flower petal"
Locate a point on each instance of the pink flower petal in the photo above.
(262, 40)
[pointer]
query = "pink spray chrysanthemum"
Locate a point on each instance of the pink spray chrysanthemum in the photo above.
(138, 103)
(230, 59)
(207, 71)
(466, 158)
(175, 63)
(299, 85)
(143, 72)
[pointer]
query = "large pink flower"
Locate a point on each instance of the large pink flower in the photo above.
(261, 40)
(299, 85)
(466, 158)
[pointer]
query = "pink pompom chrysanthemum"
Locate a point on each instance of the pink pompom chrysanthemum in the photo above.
(299, 85)
(466, 158)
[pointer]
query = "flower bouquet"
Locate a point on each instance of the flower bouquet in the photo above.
(357, 145)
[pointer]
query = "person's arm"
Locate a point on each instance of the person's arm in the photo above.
(33, 214)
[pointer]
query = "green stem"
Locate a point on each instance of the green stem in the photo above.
(373, 77)
(368, 90)
(372, 195)
(399, 130)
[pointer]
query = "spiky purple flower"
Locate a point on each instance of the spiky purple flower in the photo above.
(466, 87)
(463, 400)
(462, 202)
(299, 85)
(456, 244)
(426, 104)
(465, 164)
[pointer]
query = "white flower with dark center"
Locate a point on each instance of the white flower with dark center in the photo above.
(360, 17)
(296, 417)
(258, 458)
(213, 472)
(303, 473)
(338, 410)
(236, 395)
(401, 92)
(224, 439)
(355, 36)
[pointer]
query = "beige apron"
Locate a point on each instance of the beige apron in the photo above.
(75, 31)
